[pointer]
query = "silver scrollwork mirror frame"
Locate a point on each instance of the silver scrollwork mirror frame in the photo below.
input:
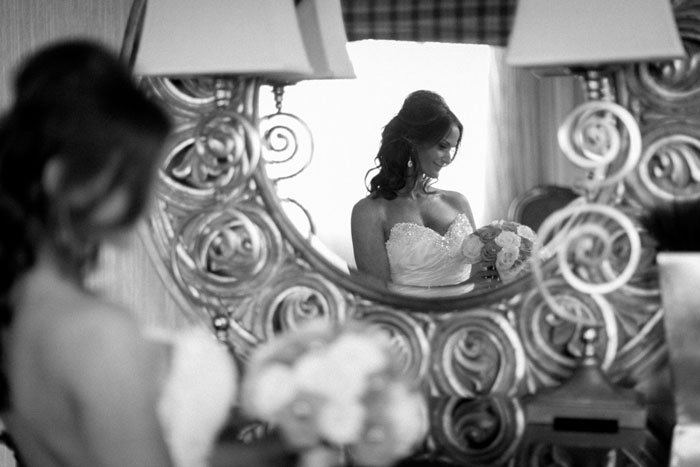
(222, 242)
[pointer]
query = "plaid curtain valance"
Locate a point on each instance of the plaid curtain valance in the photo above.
(464, 21)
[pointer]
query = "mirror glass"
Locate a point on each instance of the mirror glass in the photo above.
(346, 118)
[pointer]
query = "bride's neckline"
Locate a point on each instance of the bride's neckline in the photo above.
(410, 224)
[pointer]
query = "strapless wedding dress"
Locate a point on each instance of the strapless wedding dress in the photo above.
(197, 395)
(419, 256)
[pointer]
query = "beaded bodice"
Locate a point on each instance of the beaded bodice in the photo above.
(420, 256)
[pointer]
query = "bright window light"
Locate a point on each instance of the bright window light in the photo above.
(346, 118)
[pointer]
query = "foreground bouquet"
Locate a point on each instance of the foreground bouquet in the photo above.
(505, 245)
(328, 387)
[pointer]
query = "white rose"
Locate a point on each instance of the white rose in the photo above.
(341, 422)
(506, 258)
(471, 248)
(363, 352)
(407, 412)
(526, 232)
(316, 373)
(507, 238)
(268, 391)
(512, 273)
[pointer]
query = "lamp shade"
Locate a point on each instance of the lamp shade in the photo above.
(323, 30)
(220, 37)
(561, 33)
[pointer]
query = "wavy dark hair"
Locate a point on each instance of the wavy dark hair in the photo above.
(74, 103)
(423, 120)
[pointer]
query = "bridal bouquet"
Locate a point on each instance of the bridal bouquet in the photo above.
(328, 387)
(505, 245)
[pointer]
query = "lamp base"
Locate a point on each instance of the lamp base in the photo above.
(588, 401)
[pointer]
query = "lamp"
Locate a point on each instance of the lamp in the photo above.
(586, 37)
(575, 33)
(323, 30)
(218, 37)
(590, 38)
(268, 38)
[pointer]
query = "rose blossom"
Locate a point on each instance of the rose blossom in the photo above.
(270, 390)
(317, 373)
(526, 232)
(489, 252)
(341, 422)
(397, 420)
(489, 232)
(471, 248)
(507, 238)
(409, 416)
(506, 258)
(508, 275)
(364, 351)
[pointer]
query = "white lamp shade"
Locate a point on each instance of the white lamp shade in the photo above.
(222, 37)
(321, 24)
(559, 33)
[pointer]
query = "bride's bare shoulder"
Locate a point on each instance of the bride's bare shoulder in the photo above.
(370, 208)
(454, 198)
(89, 327)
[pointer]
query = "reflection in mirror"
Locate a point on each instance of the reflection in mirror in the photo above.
(346, 119)
(407, 232)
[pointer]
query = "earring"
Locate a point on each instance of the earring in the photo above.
(410, 163)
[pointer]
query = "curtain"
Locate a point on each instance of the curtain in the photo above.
(525, 113)
(466, 21)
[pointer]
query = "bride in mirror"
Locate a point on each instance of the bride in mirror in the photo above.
(407, 232)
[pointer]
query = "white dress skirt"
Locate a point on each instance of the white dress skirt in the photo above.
(198, 392)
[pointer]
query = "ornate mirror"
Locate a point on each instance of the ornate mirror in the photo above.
(231, 250)
(223, 236)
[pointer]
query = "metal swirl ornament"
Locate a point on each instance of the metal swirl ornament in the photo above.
(484, 431)
(553, 343)
(597, 134)
(672, 87)
(224, 253)
(188, 99)
(408, 338)
(288, 145)
(669, 86)
(210, 161)
(669, 170)
(477, 353)
(585, 251)
(295, 298)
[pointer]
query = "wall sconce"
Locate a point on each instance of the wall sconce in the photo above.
(590, 38)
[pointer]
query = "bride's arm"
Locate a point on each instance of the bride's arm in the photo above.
(368, 242)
